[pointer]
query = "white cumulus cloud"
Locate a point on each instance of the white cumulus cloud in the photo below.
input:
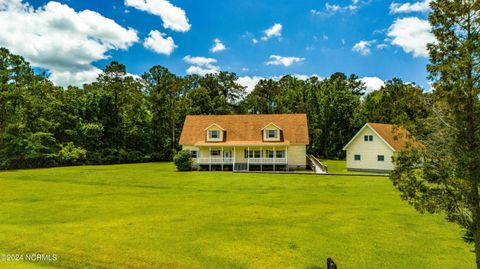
(372, 83)
(63, 41)
(250, 82)
(172, 16)
(217, 46)
(282, 60)
(412, 35)
(423, 6)
(202, 71)
(363, 47)
(201, 65)
(203, 61)
(275, 30)
(159, 43)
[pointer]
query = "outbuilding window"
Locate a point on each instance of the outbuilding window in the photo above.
(380, 158)
(357, 157)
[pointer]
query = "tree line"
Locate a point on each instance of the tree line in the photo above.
(119, 118)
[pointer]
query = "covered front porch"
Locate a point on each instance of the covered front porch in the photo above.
(242, 158)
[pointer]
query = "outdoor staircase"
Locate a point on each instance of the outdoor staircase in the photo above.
(317, 166)
(240, 167)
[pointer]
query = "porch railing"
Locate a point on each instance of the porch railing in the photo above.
(220, 160)
(215, 160)
(267, 160)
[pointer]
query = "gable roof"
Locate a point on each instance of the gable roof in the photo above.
(271, 124)
(245, 129)
(395, 137)
(214, 124)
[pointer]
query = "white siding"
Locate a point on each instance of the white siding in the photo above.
(369, 150)
(297, 156)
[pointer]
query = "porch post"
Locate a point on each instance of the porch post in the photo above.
(234, 155)
(222, 158)
(248, 158)
(261, 158)
(286, 156)
(210, 159)
(274, 157)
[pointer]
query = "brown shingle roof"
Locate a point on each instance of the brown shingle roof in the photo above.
(396, 136)
(245, 128)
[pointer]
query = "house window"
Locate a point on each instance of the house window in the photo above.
(214, 134)
(252, 154)
(280, 153)
(194, 153)
(214, 152)
(357, 157)
(380, 158)
(272, 134)
(270, 153)
(248, 154)
(368, 138)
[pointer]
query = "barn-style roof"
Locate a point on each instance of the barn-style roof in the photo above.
(245, 129)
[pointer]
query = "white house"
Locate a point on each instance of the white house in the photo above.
(246, 142)
(373, 147)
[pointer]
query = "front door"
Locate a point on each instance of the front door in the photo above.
(227, 154)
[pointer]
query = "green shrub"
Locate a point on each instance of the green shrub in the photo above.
(69, 154)
(183, 160)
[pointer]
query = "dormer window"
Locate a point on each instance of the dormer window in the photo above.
(213, 134)
(272, 133)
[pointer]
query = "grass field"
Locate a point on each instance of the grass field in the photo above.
(340, 167)
(148, 216)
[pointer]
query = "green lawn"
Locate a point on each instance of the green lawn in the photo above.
(340, 167)
(148, 216)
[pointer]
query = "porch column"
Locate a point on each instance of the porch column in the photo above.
(210, 159)
(222, 158)
(248, 158)
(234, 156)
(286, 156)
(261, 158)
(274, 157)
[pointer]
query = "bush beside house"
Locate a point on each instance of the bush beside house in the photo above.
(183, 160)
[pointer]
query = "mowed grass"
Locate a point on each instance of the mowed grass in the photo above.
(148, 216)
(340, 167)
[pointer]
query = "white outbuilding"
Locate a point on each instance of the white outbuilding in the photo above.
(373, 147)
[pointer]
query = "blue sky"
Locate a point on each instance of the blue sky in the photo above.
(376, 39)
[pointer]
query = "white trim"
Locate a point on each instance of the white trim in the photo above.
(271, 123)
(214, 124)
(373, 130)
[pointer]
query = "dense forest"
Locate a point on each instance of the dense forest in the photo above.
(119, 118)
